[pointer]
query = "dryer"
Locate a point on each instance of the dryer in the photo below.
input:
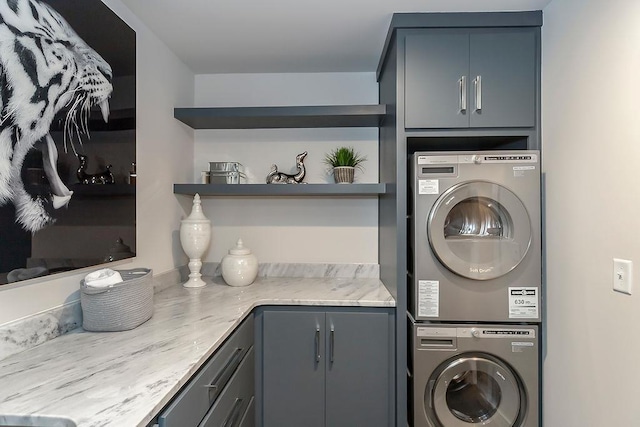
(471, 375)
(475, 236)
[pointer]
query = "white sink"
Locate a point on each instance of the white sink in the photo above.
(35, 421)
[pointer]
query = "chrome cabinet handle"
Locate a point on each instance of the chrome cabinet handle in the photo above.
(462, 94)
(225, 373)
(234, 415)
(478, 85)
(332, 343)
(317, 344)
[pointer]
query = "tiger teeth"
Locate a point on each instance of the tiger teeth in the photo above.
(104, 107)
(61, 194)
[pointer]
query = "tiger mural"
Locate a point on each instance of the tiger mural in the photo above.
(45, 67)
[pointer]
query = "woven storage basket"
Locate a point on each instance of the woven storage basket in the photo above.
(118, 307)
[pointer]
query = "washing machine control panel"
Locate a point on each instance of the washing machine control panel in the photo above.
(474, 332)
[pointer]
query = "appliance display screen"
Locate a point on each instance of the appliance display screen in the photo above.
(441, 169)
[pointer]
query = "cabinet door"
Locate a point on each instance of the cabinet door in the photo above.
(358, 379)
(437, 79)
(505, 61)
(293, 369)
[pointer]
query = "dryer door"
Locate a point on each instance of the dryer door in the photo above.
(479, 230)
(475, 389)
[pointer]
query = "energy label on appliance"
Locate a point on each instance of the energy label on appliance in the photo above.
(428, 186)
(428, 298)
(523, 303)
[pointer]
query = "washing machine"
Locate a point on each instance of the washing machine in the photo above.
(475, 236)
(475, 375)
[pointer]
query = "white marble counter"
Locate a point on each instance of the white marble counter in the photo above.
(124, 378)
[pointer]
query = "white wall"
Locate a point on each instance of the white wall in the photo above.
(312, 229)
(591, 146)
(164, 156)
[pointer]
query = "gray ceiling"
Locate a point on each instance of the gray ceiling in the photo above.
(293, 36)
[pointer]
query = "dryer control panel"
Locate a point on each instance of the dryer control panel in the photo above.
(428, 159)
(437, 165)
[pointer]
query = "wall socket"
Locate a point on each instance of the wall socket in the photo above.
(622, 275)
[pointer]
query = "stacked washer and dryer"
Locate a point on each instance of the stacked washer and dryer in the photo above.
(475, 288)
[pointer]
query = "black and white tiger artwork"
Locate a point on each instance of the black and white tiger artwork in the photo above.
(45, 68)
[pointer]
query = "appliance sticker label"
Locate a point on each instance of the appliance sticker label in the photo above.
(522, 170)
(519, 347)
(523, 303)
(428, 186)
(428, 298)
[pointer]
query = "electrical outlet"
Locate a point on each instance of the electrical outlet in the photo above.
(622, 275)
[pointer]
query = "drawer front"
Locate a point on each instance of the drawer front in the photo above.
(249, 418)
(192, 404)
(230, 408)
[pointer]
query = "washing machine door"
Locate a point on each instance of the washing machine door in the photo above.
(475, 389)
(479, 230)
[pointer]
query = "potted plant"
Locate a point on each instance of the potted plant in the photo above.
(344, 161)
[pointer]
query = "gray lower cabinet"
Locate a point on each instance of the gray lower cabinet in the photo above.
(328, 368)
(230, 409)
(222, 392)
(483, 77)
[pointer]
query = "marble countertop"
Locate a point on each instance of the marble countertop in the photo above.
(126, 378)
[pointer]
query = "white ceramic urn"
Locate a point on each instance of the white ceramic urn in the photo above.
(239, 266)
(195, 236)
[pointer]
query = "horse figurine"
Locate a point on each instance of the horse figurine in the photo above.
(105, 177)
(276, 177)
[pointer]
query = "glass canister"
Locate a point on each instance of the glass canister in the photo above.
(239, 266)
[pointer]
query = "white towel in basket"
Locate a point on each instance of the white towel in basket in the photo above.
(102, 278)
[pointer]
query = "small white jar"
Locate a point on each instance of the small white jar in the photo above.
(239, 266)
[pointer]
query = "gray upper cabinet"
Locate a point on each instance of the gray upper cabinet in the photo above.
(328, 368)
(479, 78)
(437, 68)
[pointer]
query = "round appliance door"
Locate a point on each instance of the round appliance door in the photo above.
(475, 389)
(479, 230)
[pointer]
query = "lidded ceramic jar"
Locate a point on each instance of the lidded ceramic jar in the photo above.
(239, 266)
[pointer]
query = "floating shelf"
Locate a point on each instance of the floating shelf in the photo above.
(282, 117)
(281, 189)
